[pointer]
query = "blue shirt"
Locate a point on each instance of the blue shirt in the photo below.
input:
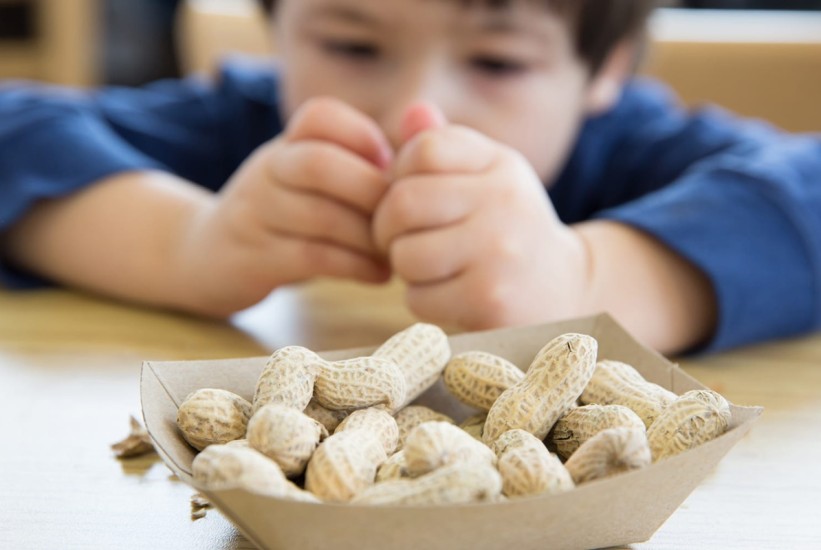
(739, 199)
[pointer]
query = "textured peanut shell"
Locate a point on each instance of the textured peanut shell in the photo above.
(696, 417)
(527, 467)
(328, 418)
(286, 436)
(609, 452)
(344, 464)
(377, 421)
(435, 444)
(478, 378)
(212, 416)
(288, 378)
(617, 383)
(413, 415)
(359, 383)
(552, 383)
(422, 350)
(221, 467)
(581, 423)
(393, 468)
(454, 484)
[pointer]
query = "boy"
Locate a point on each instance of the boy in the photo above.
(416, 138)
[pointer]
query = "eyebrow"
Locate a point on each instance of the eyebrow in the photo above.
(348, 14)
(508, 25)
(496, 25)
(489, 19)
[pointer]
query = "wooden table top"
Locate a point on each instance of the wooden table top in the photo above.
(69, 380)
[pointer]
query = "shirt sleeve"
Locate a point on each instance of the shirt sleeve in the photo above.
(54, 141)
(739, 199)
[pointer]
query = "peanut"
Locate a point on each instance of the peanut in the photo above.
(696, 417)
(617, 383)
(221, 467)
(393, 468)
(286, 436)
(477, 378)
(609, 452)
(473, 481)
(359, 383)
(413, 415)
(328, 418)
(581, 423)
(344, 464)
(421, 351)
(378, 422)
(288, 378)
(212, 416)
(527, 467)
(552, 383)
(435, 444)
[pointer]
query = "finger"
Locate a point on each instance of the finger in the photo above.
(329, 119)
(312, 216)
(450, 149)
(432, 256)
(423, 202)
(307, 258)
(419, 117)
(465, 300)
(330, 170)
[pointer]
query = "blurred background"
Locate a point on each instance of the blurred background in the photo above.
(761, 58)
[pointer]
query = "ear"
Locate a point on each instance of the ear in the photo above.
(606, 85)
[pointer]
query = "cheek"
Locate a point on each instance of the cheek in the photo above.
(309, 75)
(298, 83)
(540, 117)
(546, 139)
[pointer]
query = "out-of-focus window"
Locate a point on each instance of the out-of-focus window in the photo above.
(137, 41)
(49, 40)
(17, 21)
(753, 4)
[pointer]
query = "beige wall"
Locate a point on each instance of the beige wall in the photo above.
(757, 64)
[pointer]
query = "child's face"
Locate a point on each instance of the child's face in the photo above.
(510, 73)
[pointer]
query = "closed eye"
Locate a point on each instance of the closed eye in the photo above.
(358, 51)
(497, 66)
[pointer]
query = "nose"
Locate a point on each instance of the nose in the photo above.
(425, 98)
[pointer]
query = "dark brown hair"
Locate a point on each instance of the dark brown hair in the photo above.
(598, 25)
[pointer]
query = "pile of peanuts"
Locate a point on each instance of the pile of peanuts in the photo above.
(343, 431)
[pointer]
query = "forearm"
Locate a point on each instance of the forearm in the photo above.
(119, 237)
(656, 294)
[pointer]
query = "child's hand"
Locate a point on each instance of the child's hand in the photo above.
(468, 225)
(299, 207)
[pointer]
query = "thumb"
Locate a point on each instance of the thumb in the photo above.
(420, 117)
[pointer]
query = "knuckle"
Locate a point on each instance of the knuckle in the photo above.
(505, 250)
(326, 222)
(319, 108)
(314, 112)
(314, 165)
(405, 261)
(493, 302)
(315, 257)
(401, 202)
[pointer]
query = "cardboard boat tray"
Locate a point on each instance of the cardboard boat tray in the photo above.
(624, 509)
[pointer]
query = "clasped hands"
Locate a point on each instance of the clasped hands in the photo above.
(463, 220)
